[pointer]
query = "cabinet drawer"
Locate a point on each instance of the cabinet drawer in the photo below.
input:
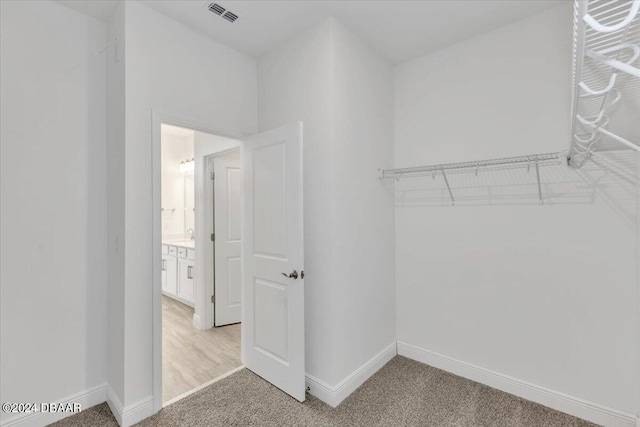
(173, 251)
(165, 249)
(191, 254)
(182, 252)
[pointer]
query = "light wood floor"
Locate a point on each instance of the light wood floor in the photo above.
(191, 357)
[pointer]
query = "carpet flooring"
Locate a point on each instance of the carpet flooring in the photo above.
(402, 393)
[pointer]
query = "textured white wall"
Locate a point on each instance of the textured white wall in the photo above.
(545, 294)
(54, 194)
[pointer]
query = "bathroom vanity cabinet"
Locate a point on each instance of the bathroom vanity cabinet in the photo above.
(177, 272)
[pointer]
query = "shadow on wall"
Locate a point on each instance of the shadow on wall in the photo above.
(559, 185)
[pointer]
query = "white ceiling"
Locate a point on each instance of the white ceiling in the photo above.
(99, 9)
(399, 30)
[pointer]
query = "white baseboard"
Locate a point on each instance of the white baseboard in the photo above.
(115, 405)
(137, 412)
(197, 321)
(131, 414)
(559, 401)
(200, 324)
(86, 399)
(333, 395)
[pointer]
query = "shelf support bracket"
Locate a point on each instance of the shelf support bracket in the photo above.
(446, 181)
(539, 186)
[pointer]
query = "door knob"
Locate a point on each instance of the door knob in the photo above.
(292, 275)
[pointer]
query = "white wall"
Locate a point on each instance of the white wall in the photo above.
(342, 92)
(544, 294)
(115, 60)
(294, 85)
(173, 70)
(54, 193)
(638, 279)
(363, 214)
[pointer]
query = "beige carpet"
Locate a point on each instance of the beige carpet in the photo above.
(402, 393)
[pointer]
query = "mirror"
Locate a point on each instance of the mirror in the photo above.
(177, 182)
(189, 204)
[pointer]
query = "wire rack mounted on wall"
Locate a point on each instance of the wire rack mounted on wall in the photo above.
(605, 126)
(510, 177)
(606, 78)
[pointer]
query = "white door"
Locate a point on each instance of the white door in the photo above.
(227, 220)
(272, 257)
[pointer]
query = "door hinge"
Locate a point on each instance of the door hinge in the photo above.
(213, 299)
(212, 175)
(213, 237)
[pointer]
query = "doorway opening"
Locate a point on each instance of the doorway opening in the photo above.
(201, 184)
(271, 332)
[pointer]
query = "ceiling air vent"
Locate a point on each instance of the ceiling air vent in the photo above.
(221, 11)
(230, 16)
(216, 8)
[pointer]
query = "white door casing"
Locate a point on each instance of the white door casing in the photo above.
(228, 226)
(272, 249)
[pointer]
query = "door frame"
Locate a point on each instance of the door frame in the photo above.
(157, 118)
(208, 213)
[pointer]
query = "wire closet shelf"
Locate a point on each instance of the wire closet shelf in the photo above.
(605, 110)
(606, 78)
(530, 163)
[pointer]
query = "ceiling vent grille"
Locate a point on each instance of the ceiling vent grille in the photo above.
(221, 11)
(216, 8)
(230, 16)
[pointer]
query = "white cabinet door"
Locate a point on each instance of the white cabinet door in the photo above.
(227, 201)
(169, 274)
(272, 256)
(185, 280)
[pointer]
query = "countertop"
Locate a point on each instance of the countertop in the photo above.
(189, 244)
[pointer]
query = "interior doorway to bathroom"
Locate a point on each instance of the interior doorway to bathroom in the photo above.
(200, 268)
(272, 258)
